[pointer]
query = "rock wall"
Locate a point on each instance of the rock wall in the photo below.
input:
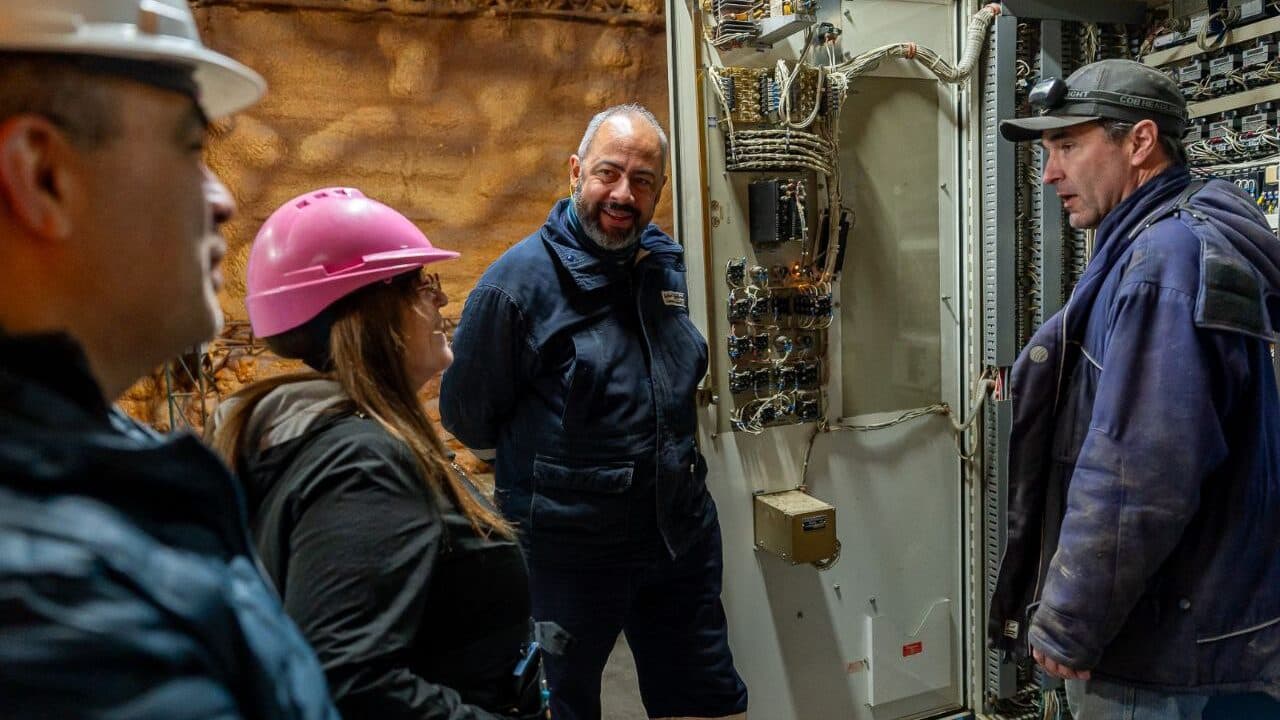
(464, 124)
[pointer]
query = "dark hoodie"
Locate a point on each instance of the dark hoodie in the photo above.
(412, 613)
(1144, 520)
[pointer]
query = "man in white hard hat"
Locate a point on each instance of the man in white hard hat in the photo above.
(127, 585)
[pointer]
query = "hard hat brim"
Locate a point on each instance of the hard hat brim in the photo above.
(226, 86)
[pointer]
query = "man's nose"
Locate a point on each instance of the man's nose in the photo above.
(222, 206)
(1052, 174)
(622, 192)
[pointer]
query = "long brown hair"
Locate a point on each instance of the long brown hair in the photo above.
(367, 347)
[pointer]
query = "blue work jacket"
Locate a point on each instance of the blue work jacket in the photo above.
(1144, 522)
(128, 587)
(581, 372)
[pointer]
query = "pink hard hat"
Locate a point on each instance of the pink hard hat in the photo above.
(322, 246)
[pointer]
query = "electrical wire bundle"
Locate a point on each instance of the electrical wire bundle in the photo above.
(755, 416)
(800, 135)
(1051, 705)
(781, 149)
(975, 40)
(1090, 42)
(1169, 25)
(786, 119)
(1225, 18)
(1268, 74)
(842, 74)
(788, 102)
(1228, 148)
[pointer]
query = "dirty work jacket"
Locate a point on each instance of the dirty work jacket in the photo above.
(581, 374)
(128, 588)
(1144, 521)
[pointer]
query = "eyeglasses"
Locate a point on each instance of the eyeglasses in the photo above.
(429, 283)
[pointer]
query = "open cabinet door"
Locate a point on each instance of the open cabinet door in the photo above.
(881, 629)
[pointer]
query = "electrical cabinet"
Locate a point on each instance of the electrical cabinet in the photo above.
(867, 257)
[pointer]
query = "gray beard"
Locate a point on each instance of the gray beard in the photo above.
(597, 233)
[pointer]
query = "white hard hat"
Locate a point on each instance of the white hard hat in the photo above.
(140, 30)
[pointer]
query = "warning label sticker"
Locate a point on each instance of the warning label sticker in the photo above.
(914, 648)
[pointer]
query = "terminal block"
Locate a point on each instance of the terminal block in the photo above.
(808, 409)
(808, 375)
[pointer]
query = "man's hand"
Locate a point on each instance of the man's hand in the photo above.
(1057, 669)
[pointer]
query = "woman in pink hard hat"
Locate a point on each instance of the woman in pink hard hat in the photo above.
(405, 580)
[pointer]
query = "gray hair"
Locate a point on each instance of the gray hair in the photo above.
(1117, 130)
(633, 109)
(57, 89)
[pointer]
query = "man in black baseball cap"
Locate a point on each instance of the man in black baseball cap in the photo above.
(1112, 89)
(1104, 100)
(1144, 466)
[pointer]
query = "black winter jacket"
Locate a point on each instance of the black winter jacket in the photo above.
(128, 589)
(412, 613)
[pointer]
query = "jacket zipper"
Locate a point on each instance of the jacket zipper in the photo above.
(639, 273)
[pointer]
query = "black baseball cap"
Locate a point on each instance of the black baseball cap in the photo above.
(1107, 89)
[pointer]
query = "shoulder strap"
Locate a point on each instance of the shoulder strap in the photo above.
(1182, 203)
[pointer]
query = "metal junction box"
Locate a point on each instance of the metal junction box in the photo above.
(795, 526)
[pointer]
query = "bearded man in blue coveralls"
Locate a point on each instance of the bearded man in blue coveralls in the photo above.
(1143, 556)
(578, 363)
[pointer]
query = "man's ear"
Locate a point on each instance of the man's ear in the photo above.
(35, 170)
(575, 172)
(1145, 137)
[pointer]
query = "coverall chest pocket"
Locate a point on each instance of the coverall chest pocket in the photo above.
(580, 502)
(608, 388)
